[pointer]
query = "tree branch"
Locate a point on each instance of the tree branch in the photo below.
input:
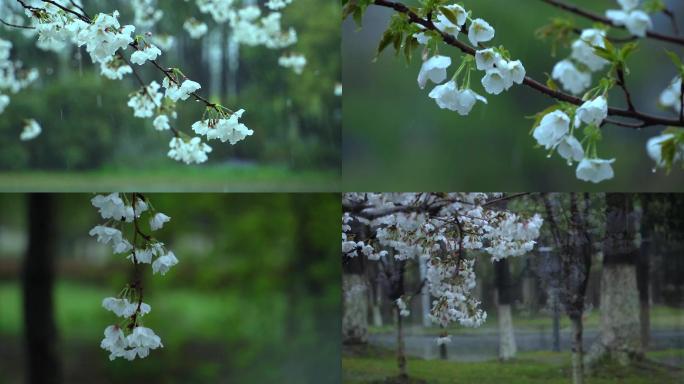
(15, 25)
(598, 18)
(646, 120)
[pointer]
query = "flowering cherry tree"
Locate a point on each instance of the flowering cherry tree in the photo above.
(447, 231)
(125, 215)
(579, 84)
(118, 49)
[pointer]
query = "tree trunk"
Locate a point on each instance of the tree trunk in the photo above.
(577, 351)
(377, 306)
(355, 317)
(644, 271)
(42, 361)
(507, 346)
(401, 353)
(620, 338)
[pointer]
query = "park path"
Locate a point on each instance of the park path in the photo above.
(483, 346)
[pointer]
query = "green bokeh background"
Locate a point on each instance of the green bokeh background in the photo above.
(88, 129)
(395, 138)
(254, 299)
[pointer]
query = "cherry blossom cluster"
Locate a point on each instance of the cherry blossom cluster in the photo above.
(105, 39)
(500, 71)
(592, 52)
(447, 230)
(572, 127)
(129, 338)
(631, 17)
(14, 78)
(251, 25)
(555, 132)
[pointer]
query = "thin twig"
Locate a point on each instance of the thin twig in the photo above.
(598, 18)
(15, 25)
(623, 85)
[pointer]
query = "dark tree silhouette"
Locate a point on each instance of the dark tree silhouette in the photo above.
(42, 360)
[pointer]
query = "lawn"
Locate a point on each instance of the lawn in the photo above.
(533, 367)
(215, 336)
(177, 178)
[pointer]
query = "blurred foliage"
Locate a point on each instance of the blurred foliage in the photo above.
(255, 297)
(87, 125)
(396, 138)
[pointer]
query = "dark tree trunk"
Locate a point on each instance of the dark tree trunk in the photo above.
(42, 361)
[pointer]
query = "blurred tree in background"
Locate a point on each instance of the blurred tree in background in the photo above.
(255, 297)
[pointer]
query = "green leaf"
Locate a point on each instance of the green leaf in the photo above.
(385, 41)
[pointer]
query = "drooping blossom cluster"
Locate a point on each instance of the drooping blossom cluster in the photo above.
(448, 231)
(250, 24)
(631, 17)
(574, 73)
(556, 130)
(129, 339)
(105, 40)
(500, 71)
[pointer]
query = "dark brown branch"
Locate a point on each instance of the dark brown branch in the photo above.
(598, 18)
(646, 120)
(65, 9)
(673, 20)
(623, 85)
(15, 25)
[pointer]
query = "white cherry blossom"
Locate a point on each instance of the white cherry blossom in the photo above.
(157, 221)
(480, 31)
(592, 112)
(433, 69)
(572, 79)
(552, 128)
(31, 130)
(595, 170)
(448, 96)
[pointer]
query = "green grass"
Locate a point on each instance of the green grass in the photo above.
(203, 178)
(178, 314)
(661, 318)
(535, 367)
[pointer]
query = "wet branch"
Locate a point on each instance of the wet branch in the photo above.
(644, 119)
(598, 18)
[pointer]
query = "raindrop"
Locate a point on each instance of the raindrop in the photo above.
(569, 163)
(653, 170)
(548, 156)
(99, 101)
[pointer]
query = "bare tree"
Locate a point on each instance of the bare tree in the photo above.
(573, 240)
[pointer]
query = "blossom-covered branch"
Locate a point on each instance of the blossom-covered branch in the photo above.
(59, 23)
(448, 231)
(437, 21)
(129, 338)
